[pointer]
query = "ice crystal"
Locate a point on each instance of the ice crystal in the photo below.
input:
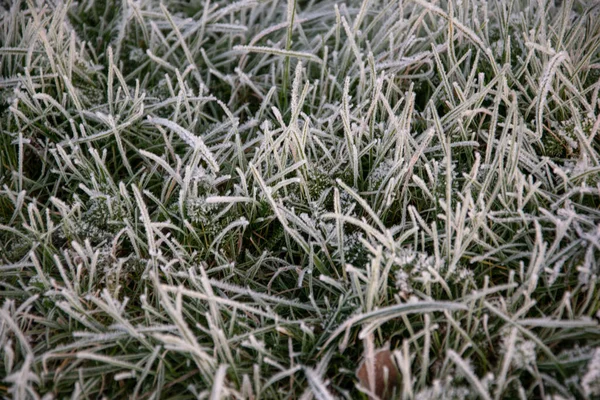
(591, 380)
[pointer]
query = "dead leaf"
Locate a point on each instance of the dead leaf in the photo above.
(385, 374)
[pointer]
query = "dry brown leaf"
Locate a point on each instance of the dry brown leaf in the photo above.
(386, 377)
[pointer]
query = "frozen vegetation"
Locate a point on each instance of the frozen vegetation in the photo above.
(274, 200)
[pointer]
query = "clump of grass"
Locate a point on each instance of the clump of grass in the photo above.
(241, 200)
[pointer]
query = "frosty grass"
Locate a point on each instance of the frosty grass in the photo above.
(216, 199)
